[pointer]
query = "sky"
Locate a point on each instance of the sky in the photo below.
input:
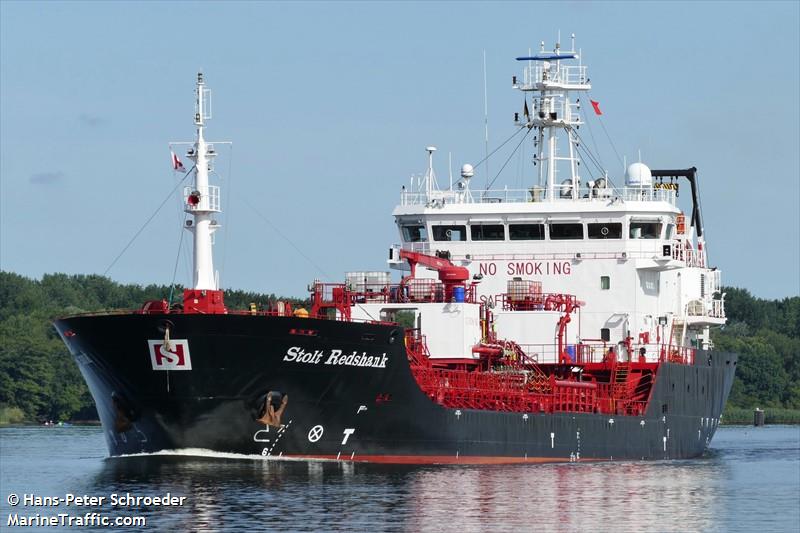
(330, 106)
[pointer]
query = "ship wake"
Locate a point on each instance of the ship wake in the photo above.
(211, 454)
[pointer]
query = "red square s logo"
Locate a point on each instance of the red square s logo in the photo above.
(175, 356)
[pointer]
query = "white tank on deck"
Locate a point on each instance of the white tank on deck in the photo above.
(638, 175)
(370, 281)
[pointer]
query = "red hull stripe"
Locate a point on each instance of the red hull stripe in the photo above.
(440, 459)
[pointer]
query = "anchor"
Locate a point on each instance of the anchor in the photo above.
(270, 416)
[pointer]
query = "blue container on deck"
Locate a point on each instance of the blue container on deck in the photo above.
(458, 294)
(571, 352)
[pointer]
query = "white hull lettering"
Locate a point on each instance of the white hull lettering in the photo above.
(296, 354)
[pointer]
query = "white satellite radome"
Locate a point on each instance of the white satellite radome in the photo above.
(430, 149)
(638, 175)
(467, 171)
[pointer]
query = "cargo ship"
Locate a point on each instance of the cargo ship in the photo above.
(564, 321)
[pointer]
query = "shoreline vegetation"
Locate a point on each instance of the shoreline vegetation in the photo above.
(736, 416)
(39, 381)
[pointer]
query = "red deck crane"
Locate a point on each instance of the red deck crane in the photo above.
(450, 275)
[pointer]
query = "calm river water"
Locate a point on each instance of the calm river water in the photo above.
(749, 481)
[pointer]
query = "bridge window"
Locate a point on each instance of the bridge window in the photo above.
(415, 233)
(605, 230)
(449, 233)
(488, 232)
(645, 230)
(561, 232)
(526, 232)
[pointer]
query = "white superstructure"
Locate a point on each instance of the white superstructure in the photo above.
(628, 253)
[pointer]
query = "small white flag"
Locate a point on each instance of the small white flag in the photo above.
(176, 163)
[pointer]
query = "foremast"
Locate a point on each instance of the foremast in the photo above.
(202, 202)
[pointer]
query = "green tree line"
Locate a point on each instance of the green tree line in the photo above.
(39, 380)
(766, 335)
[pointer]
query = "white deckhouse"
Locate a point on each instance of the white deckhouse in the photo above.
(633, 260)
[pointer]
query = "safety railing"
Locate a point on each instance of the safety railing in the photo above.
(414, 291)
(611, 402)
(534, 302)
(566, 74)
(706, 308)
(717, 309)
(682, 250)
(496, 252)
(202, 199)
(511, 391)
(608, 354)
(563, 193)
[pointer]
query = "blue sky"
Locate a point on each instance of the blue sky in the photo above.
(330, 106)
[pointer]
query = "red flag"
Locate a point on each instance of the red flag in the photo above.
(176, 163)
(596, 106)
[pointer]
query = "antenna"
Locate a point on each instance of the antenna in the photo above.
(486, 118)
(450, 168)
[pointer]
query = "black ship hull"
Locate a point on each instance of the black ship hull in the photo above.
(351, 395)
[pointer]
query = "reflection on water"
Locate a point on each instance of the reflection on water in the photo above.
(751, 480)
(640, 496)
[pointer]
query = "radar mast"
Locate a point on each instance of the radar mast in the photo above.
(551, 80)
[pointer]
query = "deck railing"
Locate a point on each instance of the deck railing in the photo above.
(209, 199)
(536, 195)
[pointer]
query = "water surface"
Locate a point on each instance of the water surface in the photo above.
(749, 481)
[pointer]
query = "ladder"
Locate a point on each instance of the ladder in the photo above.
(620, 380)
